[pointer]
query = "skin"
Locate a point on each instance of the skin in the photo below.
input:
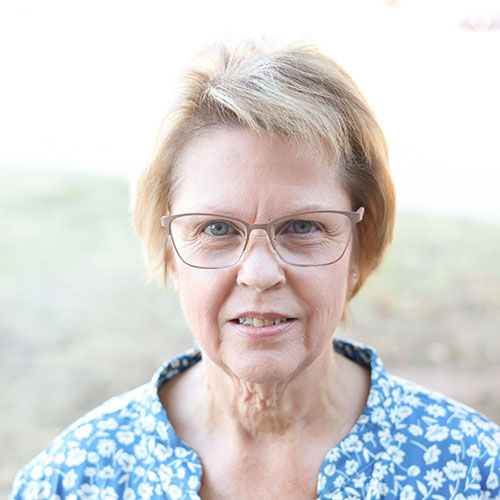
(261, 412)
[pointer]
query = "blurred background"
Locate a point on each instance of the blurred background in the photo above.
(83, 89)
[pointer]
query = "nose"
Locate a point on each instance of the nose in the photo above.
(260, 267)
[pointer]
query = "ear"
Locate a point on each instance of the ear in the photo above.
(353, 277)
(173, 273)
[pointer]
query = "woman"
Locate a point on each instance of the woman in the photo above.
(269, 203)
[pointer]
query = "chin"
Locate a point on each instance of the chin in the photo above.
(266, 367)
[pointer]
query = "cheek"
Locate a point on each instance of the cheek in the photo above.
(325, 295)
(202, 293)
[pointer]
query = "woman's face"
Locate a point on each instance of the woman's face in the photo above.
(237, 173)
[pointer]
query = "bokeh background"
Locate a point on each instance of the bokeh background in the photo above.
(83, 89)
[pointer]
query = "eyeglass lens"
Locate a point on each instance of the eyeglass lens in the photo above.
(302, 239)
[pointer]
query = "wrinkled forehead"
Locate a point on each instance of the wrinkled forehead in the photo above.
(237, 172)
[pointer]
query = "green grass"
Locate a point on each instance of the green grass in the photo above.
(78, 323)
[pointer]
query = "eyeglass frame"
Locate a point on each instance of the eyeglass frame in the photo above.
(354, 217)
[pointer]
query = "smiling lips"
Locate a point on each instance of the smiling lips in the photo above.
(260, 322)
(265, 327)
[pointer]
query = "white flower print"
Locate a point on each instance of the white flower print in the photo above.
(414, 471)
(107, 472)
(145, 490)
(435, 410)
(75, 457)
(339, 481)
(385, 437)
(141, 451)
(36, 473)
(88, 492)
(69, 479)
(93, 457)
(129, 494)
(90, 471)
(83, 431)
(175, 492)
(468, 428)
(408, 493)
(378, 415)
(432, 454)
(415, 430)
(109, 494)
(436, 433)
(351, 467)
(152, 476)
(162, 431)
(181, 452)
(379, 470)
(455, 470)
(455, 449)
(400, 413)
(434, 478)
(193, 483)
(376, 489)
(368, 437)
(44, 492)
(126, 462)
(148, 423)
(492, 481)
(475, 473)
(106, 447)
(490, 445)
(125, 437)
(139, 471)
(161, 452)
(400, 438)
(396, 454)
(107, 425)
(411, 399)
(330, 469)
(359, 481)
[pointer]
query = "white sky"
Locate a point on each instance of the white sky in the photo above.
(85, 84)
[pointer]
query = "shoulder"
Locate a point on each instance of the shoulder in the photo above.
(433, 446)
(441, 442)
(95, 447)
(125, 448)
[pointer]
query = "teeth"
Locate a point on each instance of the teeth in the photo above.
(259, 322)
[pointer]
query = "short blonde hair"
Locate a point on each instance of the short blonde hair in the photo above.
(294, 92)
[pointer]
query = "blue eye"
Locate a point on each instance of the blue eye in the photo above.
(302, 226)
(219, 228)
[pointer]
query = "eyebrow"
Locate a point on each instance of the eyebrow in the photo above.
(213, 209)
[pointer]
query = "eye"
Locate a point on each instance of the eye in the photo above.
(219, 228)
(301, 226)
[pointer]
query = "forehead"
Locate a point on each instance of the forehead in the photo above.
(238, 172)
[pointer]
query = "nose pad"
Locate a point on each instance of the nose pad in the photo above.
(260, 267)
(255, 238)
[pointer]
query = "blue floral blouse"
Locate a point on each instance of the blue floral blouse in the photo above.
(409, 443)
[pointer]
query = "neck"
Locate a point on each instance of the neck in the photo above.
(319, 395)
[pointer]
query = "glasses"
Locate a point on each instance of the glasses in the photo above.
(211, 241)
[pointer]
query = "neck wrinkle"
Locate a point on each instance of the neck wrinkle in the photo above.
(264, 411)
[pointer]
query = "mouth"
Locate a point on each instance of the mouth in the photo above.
(264, 327)
(259, 322)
